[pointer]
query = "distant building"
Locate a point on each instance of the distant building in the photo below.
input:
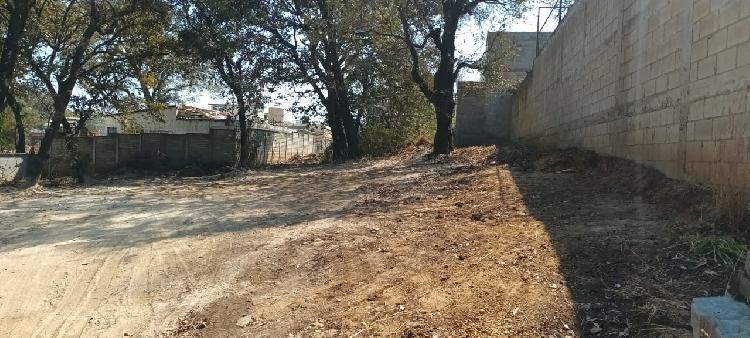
(523, 45)
(172, 120)
(253, 109)
(275, 115)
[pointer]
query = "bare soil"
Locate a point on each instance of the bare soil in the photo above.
(406, 246)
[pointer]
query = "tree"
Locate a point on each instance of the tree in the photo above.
(320, 45)
(428, 30)
(225, 35)
(160, 67)
(395, 114)
(17, 12)
(71, 40)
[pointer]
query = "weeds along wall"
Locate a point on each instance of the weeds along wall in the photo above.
(660, 82)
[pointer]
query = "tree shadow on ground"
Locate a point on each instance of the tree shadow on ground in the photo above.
(619, 247)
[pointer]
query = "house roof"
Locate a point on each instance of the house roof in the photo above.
(195, 113)
(185, 112)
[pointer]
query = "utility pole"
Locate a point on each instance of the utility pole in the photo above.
(559, 12)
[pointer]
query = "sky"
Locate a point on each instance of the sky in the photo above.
(471, 42)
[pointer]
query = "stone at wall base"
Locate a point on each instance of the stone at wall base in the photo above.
(720, 317)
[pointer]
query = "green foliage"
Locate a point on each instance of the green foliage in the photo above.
(722, 250)
(7, 132)
(387, 130)
(395, 113)
(33, 118)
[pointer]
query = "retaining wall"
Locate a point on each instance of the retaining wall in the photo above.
(661, 82)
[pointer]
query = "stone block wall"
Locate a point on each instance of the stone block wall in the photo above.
(660, 82)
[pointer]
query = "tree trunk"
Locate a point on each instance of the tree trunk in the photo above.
(20, 132)
(350, 129)
(19, 14)
(444, 103)
(339, 146)
(443, 143)
(244, 161)
(352, 136)
(45, 147)
(42, 157)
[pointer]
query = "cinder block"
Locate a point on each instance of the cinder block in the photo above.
(733, 151)
(743, 180)
(703, 130)
(696, 110)
(736, 102)
(717, 42)
(701, 8)
(667, 152)
(743, 53)
(742, 125)
(662, 83)
(719, 317)
(708, 24)
(710, 151)
(675, 79)
(691, 131)
(707, 67)
(668, 63)
(729, 13)
(713, 107)
(722, 128)
(673, 134)
(738, 32)
(660, 135)
(693, 151)
(726, 60)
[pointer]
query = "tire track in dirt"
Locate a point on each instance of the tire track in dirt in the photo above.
(96, 296)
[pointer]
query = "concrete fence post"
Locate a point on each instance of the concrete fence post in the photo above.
(93, 154)
(286, 146)
(117, 150)
(211, 137)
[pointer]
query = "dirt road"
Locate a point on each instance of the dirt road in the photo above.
(385, 248)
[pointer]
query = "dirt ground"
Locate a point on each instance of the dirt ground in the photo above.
(399, 247)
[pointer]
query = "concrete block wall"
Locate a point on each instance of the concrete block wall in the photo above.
(13, 167)
(482, 115)
(105, 154)
(273, 147)
(661, 82)
(219, 148)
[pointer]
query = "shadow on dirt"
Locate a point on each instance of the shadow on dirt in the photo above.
(617, 229)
